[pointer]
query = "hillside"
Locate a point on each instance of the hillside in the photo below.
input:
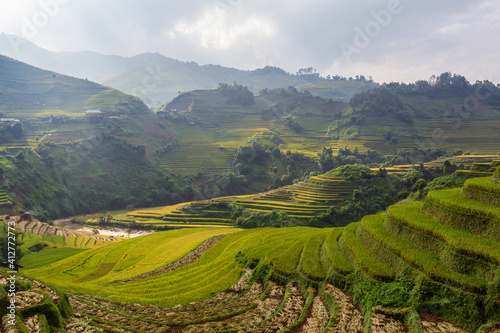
(212, 129)
(55, 161)
(450, 114)
(27, 91)
(404, 267)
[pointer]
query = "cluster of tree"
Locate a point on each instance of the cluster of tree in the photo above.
(359, 78)
(376, 190)
(310, 74)
(283, 167)
(291, 93)
(327, 161)
(236, 94)
(8, 132)
(417, 155)
(379, 101)
(60, 120)
(448, 84)
(293, 124)
(245, 218)
(219, 185)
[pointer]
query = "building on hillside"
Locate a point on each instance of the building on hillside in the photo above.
(9, 120)
(93, 114)
(26, 216)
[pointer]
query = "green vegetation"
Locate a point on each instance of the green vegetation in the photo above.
(279, 118)
(464, 242)
(425, 260)
(482, 189)
(410, 258)
(133, 257)
(364, 257)
(34, 251)
(466, 214)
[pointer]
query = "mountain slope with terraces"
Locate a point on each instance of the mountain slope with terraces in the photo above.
(428, 266)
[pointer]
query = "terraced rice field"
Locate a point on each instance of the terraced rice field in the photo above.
(4, 199)
(199, 152)
(69, 237)
(301, 201)
(445, 249)
(479, 136)
(174, 216)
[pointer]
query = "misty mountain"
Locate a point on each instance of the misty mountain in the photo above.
(157, 79)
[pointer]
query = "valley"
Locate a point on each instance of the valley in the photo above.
(293, 203)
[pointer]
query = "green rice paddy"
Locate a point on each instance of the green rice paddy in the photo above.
(408, 239)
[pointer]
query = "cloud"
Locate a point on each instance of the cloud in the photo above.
(218, 29)
(418, 39)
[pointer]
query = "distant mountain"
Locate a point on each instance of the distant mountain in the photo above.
(157, 79)
(86, 65)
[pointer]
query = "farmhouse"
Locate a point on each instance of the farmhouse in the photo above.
(93, 114)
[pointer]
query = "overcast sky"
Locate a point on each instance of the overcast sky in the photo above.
(391, 40)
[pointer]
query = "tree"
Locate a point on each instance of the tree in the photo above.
(20, 156)
(325, 159)
(17, 130)
(419, 185)
(446, 166)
